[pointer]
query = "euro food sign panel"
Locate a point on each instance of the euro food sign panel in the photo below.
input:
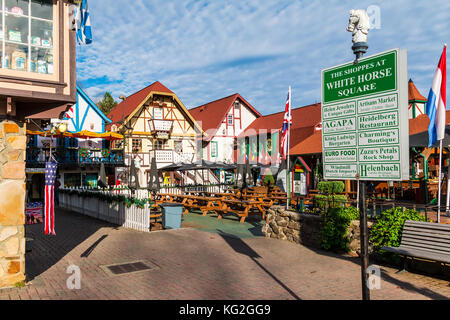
(365, 128)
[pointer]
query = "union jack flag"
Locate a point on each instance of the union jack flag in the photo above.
(50, 177)
(287, 123)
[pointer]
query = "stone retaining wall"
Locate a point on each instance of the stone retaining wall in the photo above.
(304, 228)
(292, 226)
(12, 203)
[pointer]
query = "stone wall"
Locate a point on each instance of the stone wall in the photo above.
(304, 228)
(12, 203)
(292, 226)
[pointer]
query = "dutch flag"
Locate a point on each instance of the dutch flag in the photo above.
(436, 102)
(83, 24)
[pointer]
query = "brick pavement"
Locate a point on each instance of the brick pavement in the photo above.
(195, 264)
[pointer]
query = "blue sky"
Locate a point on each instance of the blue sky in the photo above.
(206, 50)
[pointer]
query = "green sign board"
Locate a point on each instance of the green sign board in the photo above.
(365, 119)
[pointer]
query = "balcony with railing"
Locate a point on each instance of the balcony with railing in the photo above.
(36, 157)
(161, 129)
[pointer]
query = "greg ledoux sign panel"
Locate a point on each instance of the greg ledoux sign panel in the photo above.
(365, 118)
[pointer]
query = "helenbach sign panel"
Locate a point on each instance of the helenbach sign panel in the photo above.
(365, 119)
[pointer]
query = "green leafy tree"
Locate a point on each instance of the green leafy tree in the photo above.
(107, 103)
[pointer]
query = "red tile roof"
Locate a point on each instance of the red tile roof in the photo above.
(211, 114)
(413, 93)
(421, 123)
(133, 101)
(311, 145)
(303, 117)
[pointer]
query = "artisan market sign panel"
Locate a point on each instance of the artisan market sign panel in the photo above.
(365, 119)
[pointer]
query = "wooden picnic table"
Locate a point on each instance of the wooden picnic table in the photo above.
(205, 204)
(241, 208)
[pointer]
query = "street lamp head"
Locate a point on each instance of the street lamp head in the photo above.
(122, 97)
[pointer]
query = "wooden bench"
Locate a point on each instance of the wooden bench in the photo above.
(424, 240)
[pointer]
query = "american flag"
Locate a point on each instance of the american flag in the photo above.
(287, 123)
(50, 177)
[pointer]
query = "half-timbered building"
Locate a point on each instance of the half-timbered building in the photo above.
(224, 120)
(156, 124)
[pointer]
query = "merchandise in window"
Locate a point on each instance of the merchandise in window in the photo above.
(26, 35)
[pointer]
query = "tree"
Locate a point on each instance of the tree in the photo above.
(107, 103)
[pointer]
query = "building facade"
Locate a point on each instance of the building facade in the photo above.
(224, 120)
(157, 125)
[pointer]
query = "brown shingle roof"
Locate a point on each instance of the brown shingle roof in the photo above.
(413, 92)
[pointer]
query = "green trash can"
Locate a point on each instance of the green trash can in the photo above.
(171, 215)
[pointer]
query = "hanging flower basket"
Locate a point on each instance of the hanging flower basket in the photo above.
(106, 153)
(83, 153)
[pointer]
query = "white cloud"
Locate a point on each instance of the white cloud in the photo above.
(206, 50)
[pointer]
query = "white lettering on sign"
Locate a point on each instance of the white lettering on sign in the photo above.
(342, 155)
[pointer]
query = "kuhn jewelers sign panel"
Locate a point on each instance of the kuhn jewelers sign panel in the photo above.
(365, 119)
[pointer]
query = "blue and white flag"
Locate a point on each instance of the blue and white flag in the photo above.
(83, 24)
(436, 102)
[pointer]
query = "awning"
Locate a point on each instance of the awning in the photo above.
(81, 135)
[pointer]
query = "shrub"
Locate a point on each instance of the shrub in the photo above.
(331, 187)
(387, 231)
(334, 233)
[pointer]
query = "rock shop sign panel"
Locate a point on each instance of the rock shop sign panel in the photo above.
(365, 119)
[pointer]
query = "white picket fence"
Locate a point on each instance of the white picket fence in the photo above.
(117, 213)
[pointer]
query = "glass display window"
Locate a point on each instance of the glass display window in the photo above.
(27, 35)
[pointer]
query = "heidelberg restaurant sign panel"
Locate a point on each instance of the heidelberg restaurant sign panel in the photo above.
(365, 127)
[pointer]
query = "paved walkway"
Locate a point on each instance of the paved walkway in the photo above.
(196, 264)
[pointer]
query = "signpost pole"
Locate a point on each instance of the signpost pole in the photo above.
(364, 241)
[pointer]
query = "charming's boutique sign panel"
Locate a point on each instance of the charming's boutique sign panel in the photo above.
(365, 118)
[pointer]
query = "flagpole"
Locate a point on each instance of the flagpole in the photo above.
(439, 188)
(288, 181)
(447, 207)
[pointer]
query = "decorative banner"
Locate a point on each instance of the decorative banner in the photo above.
(365, 119)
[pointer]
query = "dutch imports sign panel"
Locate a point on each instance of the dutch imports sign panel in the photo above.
(365, 119)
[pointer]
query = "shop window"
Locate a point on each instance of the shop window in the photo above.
(26, 35)
(137, 145)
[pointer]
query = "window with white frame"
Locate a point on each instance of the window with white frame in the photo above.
(27, 35)
(230, 119)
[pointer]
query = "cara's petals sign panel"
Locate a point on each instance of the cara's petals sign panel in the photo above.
(365, 119)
